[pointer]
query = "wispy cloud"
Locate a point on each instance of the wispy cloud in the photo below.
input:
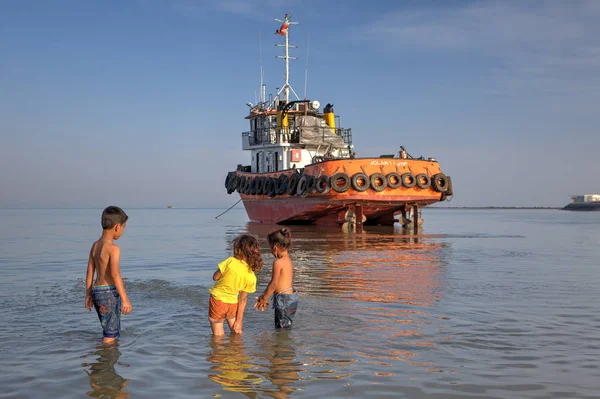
(247, 8)
(549, 47)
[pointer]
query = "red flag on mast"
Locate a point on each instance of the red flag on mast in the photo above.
(284, 26)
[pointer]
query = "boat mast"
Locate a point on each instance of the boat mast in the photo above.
(283, 31)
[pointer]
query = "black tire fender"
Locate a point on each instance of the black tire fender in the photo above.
(302, 188)
(408, 180)
(440, 183)
(292, 184)
(423, 181)
(394, 180)
(246, 189)
(270, 187)
(252, 186)
(232, 184)
(323, 184)
(378, 182)
(337, 178)
(356, 178)
(281, 184)
(240, 184)
(311, 184)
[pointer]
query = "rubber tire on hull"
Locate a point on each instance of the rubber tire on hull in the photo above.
(232, 184)
(311, 185)
(373, 182)
(323, 184)
(344, 187)
(292, 184)
(227, 179)
(281, 184)
(270, 187)
(252, 186)
(412, 181)
(394, 176)
(439, 182)
(423, 181)
(246, 189)
(240, 184)
(356, 178)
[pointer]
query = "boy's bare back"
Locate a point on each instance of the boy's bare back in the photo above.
(283, 273)
(105, 258)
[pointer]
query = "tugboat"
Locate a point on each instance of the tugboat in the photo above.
(304, 169)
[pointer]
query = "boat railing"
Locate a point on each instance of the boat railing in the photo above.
(294, 135)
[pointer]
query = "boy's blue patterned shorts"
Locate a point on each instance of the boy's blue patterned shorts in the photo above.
(107, 303)
(285, 306)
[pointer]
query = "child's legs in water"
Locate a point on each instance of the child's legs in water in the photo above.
(218, 312)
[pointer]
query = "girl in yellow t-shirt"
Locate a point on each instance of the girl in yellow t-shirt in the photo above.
(234, 278)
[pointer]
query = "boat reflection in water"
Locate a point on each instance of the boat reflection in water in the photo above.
(104, 379)
(380, 283)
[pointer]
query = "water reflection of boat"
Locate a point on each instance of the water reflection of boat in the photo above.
(377, 265)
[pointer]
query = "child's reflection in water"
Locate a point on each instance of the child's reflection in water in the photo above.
(231, 365)
(104, 380)
(237, 370)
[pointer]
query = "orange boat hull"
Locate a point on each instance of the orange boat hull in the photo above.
(379, 207)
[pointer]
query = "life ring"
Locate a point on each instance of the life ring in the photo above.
(292, 184)
(378, 182)
(323, 184)
(439, 182)
(357, 178)
(232, 184)
(423, 181)
(340, 182)
(281, 184)
(393, 180)
(408, 180)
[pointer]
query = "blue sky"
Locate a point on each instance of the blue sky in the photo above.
(141, 102)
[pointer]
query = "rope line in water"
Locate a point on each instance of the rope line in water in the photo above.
(216, 217)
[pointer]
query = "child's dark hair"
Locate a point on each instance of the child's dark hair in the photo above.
(246, 248)
(112, 216)
(282, 238)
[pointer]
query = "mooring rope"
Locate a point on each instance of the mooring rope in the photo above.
(216, 217)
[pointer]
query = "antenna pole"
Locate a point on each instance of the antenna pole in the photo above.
(262, 100)
(286, 91)
(306, 70)
(284, 31)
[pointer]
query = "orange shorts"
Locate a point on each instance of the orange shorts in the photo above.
(217, 310)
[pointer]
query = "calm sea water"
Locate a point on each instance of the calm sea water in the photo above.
(482, 304)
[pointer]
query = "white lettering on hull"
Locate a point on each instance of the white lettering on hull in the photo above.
(388, 163)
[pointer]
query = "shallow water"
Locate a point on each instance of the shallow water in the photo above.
(482, 304)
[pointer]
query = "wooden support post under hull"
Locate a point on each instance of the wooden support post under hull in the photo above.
(358, 212)
(416, 218)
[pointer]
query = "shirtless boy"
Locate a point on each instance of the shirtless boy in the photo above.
(285, 299)
(108, 292)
